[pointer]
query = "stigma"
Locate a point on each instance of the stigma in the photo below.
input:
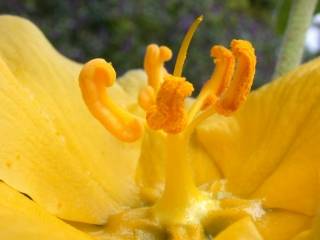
(163, 99)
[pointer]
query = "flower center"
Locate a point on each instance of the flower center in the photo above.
(224, 92)
(163, 99)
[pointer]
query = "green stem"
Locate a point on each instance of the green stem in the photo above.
(291, 51)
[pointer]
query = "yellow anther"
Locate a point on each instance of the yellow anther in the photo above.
(146, 98)
(94, 77)
(154, 60)
(219, 81)
(168, 113)
(242, 79)
(184, 47)
(229, 85)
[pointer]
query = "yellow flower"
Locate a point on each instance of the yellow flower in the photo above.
(251, 175)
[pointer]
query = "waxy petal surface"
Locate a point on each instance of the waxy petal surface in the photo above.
(21, 218)
(269, 149)
(51, 147)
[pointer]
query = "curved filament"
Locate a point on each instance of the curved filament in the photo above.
(154, 60)
(95, 77)
(219, 81)
(242, 80)
(230, 84)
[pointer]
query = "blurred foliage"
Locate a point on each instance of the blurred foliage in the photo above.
(282, 14)
(119, 30)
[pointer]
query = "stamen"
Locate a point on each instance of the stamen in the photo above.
(242, 79)
(184, 47)
(218, 83)
(94, 77)
(146, 98)
(168, 113)
(228, 97)
(154, 60)
(222, 74)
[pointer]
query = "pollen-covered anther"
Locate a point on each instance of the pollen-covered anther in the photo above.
(218, 82)
(154, 60)
(220, 79)
(168, 113)
(242, 79)
(94, 78)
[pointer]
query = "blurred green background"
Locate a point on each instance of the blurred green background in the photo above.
(119, 30)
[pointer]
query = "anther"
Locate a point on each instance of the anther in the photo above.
(218, 82)
(94, 77)
(242, 79)
(220, 79)
(154, 60)
(229, 85)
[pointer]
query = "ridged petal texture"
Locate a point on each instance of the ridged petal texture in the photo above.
(21, 218)
(51, 147)
(269, 150)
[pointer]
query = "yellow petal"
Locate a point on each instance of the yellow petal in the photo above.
(305, 235)
(21, 218)
(204, 168)
(293, 185)
(282, 225)
(242, 229)
(95, 231)
(133, 82)
(269, 149)
(150, 170)
(51, 147)
(311, 234)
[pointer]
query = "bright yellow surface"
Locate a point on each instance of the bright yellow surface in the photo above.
(21, 218)
(51, 147)
(244, 229)
(279, 224)
(269, 149)
(150, 171)
(95, 78)
(53, 150)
